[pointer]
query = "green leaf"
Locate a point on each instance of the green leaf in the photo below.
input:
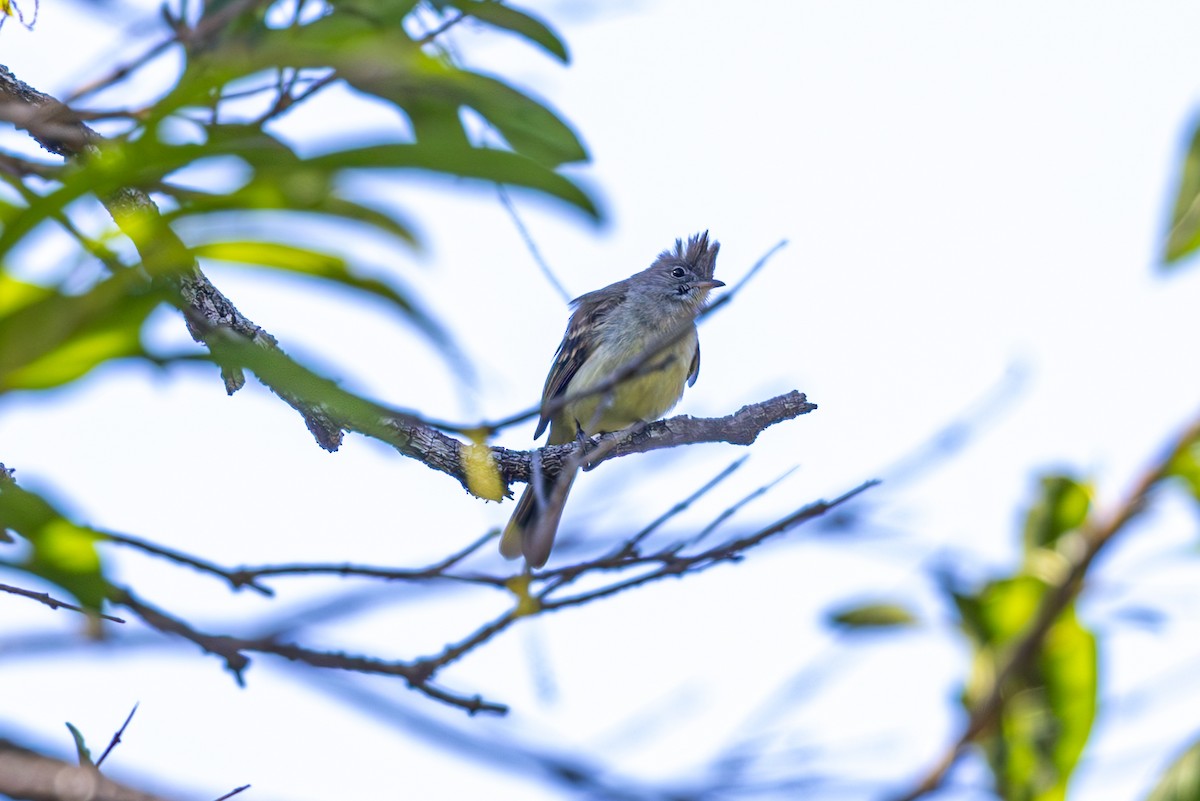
(15, 294)
(305, 261)
(1006, 608)
(1181, 781)
(1186, 466)
(498, 166)
(1061, 506)
(872, 616)
(81, 749)
(269, 193)
(63, 552)
(381, 12)
(1049, 707)
(1184, 235)
(386, 63)
(59, 338)
(529, 127)
(1069, 668)
(502, 15)
(284, 375)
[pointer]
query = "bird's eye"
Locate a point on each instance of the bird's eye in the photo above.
(679, 272)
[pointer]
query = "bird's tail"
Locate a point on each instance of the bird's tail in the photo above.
(531, 529)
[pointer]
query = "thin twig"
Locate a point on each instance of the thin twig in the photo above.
(235, 578)
(434, 571)
(441, 29)
(671, 564)
(732, 510)
(54, 603)
(233, 651)
(116, 738)
(530, 245)
(630, 545)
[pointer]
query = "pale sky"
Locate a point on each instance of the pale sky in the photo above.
(975, 198)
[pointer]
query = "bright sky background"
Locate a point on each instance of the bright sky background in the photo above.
(975, 198)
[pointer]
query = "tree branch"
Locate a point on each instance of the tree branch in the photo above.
(30, 776)
(233, 651)
(445, 453)
(59, 130)
(1096, 534)
(53, 603)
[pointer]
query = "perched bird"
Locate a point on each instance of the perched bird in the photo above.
(610, 329)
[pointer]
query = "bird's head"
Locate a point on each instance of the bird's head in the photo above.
(685, 273)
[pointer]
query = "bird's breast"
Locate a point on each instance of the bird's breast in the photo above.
(647, 396)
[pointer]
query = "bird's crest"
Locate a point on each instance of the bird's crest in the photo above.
(697, 254)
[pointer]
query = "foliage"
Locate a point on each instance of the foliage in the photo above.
(1031, 691)
(244, 70)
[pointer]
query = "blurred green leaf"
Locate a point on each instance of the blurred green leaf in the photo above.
(286, 376)
(63, 553)
(1186, 466)
(498, 166)
(529, 127)
(268, 192)
(1061, 506)
(81, 749)
(381, 12)
(59, 338)
(385, 62)
(1006, 607)
(1049, 708)
(872, 616)
(113, 167)
(502, 15)
(308, 262)
(14, 293)
(1181, 781)
(1069, 668)
(1184, 235)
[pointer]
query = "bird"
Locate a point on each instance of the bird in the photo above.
(609, 330)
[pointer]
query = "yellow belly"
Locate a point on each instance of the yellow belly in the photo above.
(644, 397)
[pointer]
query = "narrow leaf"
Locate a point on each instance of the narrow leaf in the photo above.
(1183, 237)
(15, 294)
(872, 616)
(81, 749)
(522, 23)
(59, 338)
(326, 266)
(1181, 781)
(1186, 466)
(498, 166)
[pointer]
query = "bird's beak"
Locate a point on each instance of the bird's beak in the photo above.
(711, 283)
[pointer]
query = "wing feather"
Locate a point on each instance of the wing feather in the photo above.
(694, 370)
(577, 344)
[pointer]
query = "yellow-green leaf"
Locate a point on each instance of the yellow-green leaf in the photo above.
(62, 552)
(57, 338)
(872, 616)
(1186, 466)
(1181, 781)
(1062, 506)
(15, 293)
(1183, 237)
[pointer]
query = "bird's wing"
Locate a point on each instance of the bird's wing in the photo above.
(694, 371)
(577, 345)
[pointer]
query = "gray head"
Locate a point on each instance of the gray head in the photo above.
(685, 274)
